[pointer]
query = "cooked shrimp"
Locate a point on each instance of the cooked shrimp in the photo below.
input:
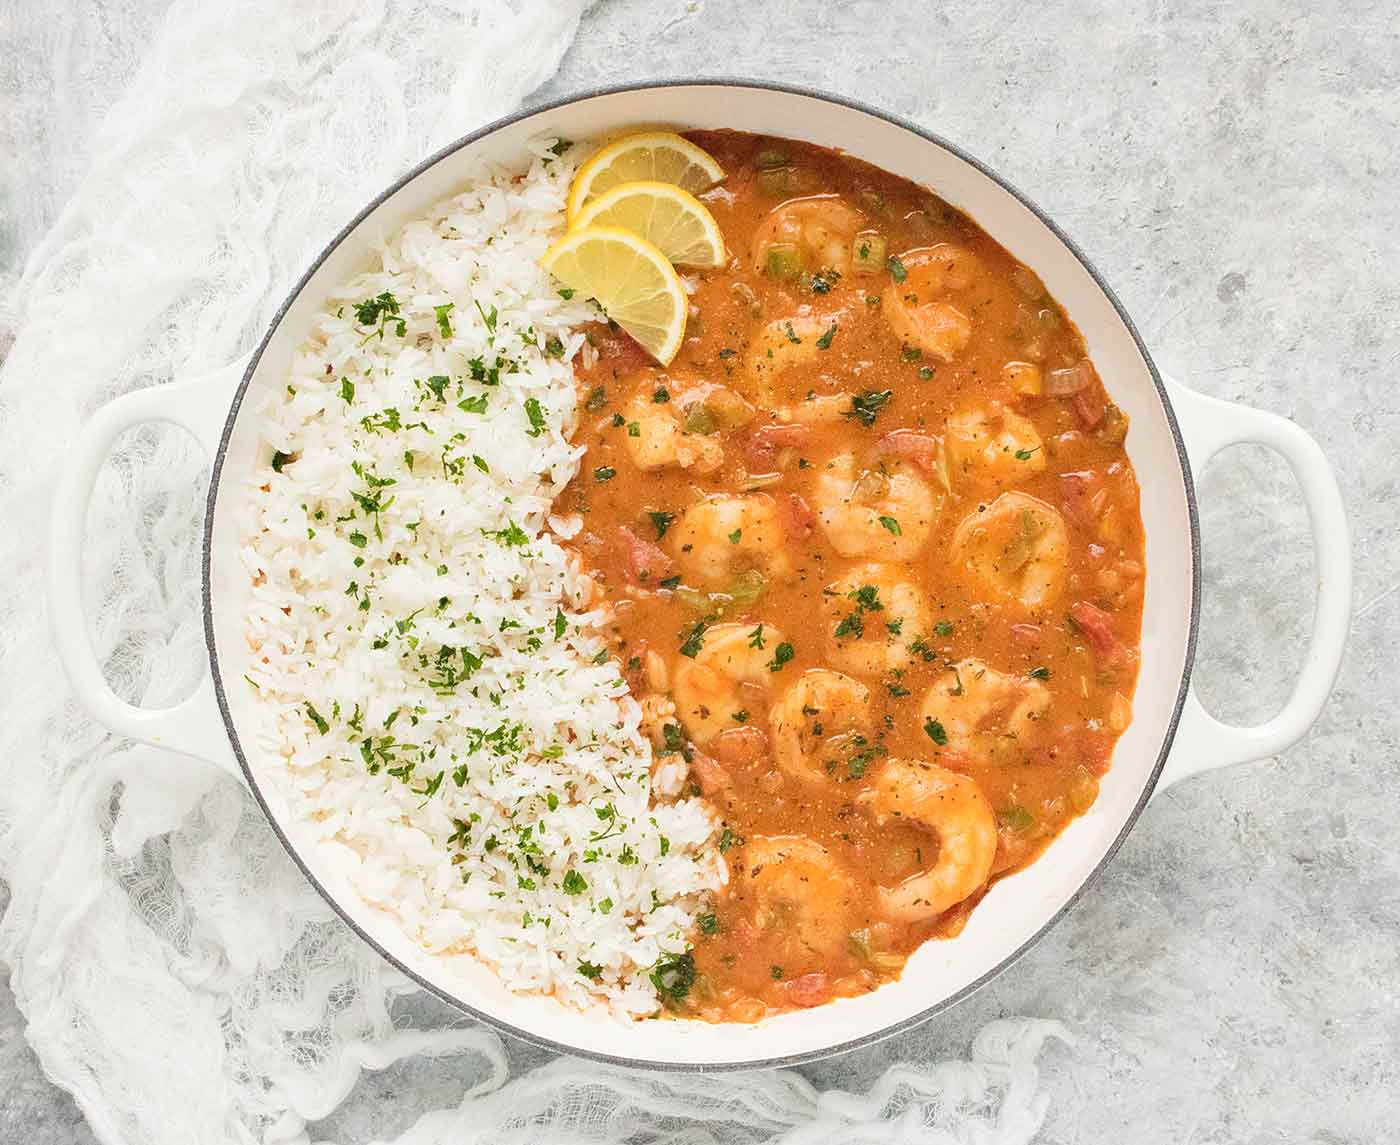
(806, 234)
(1016, 547)
(725, 679)
(660, 440)
(918, 311)
(985, 714)
(873, 616)
(885, 512)
(993, 443)
(778, 346)
(718, 539)
(820, 725)
(794, 886)
(683, 430)
(951, 806)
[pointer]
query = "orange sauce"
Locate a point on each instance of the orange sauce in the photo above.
(938, 507)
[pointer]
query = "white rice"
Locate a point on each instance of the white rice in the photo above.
(525, 832)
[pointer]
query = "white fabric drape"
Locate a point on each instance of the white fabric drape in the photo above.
(178, 975)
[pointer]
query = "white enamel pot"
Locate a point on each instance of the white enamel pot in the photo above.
(1174, 432)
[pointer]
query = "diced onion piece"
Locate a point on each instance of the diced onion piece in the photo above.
(693, 598)
(1023, 377)
(747, 588)
(868, 253)
(1063, 383)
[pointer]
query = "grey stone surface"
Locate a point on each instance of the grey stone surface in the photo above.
(1232, 170)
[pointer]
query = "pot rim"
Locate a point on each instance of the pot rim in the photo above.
(911, 1020)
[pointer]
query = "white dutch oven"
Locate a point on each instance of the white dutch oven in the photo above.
(1174, 432)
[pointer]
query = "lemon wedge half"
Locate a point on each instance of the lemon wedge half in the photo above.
(672, 220)
(660, 156)
(632, 281)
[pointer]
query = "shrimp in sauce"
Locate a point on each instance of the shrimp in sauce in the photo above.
(874, 559)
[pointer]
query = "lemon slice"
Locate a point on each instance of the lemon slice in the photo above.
(632, 281)
(674, 221)
(662, 156)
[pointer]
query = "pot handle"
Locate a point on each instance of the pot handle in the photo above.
(194, 726)
(1209, 425)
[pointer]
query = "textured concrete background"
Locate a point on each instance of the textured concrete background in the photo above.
(1232, 169)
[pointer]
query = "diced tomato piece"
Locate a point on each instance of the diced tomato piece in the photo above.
(1097, 626)
(646, 563)
(810, 990)
(762, 445)
(1026, 635)
(618, 352)
(1090, 405)
(710, 774)
(798, 517)
(919, 448)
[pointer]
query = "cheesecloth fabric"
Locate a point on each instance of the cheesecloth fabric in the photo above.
(178, 975)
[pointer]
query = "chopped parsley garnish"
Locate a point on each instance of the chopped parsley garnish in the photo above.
(824, 280)
(943, 628)
(1041, 673)
(695, 638)
(866, 405)
(444, 319)
(781, 655)
(604, 473)
(1026, 454)
(473, 405)
(707, 924)
(661, 395)
(792, 335)
(892, 525)
(489, 319)
(590, 970)
(728, 352)
(910, 354)
(358, 539)
(535, 413)
(735, 535)
(379, 312)
(756, 637)
(925, 373)
(896, 268)
(574, 883)
(560, 623)
(317, 719)
(347, 390)
(776, 972)
(280, 459)
(935, 731)
(512, 535)
(661, 522)
(728, 839)
(673, 976)
(824, 342)
(596, 400)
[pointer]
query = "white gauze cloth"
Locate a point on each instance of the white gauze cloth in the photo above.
(178, 974)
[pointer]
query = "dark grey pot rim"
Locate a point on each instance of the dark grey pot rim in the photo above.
(913, 1019)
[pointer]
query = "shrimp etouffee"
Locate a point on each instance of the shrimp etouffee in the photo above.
(873, 559)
